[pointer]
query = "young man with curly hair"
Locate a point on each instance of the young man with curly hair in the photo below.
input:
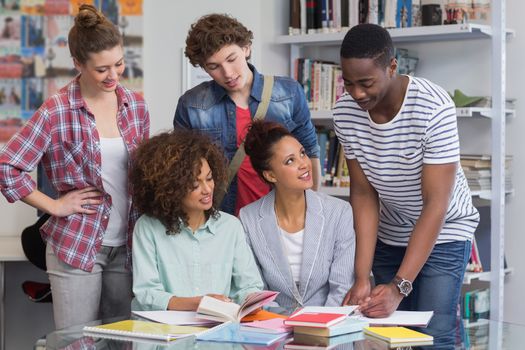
(225, 106)
(183, 246)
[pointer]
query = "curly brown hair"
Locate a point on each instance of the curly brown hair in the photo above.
(92, 33)
(211, 33)
(164, 169)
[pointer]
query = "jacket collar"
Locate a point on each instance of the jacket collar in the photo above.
(313, 234)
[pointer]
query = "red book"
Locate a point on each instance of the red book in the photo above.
(318, 320)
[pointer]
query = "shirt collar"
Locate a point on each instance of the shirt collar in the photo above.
(75, 97)
(209, 226)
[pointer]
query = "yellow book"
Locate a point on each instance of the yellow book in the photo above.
(143, 329)
(399, 335)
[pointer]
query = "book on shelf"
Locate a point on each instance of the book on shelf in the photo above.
(143, 329)
(334, 169)
(476, 304)
(474, 263)
(349, 325)
(322, 82)
(314, 319)
(307, 341)
(295, 17)
(481, 161)
(404, 14)
(221, 311)
(399, 335)
(274, 325)
(231, 332)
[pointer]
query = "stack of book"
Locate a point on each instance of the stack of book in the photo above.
(323, 329)
(477, 169)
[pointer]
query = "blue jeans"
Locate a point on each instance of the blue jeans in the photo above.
(436, 288)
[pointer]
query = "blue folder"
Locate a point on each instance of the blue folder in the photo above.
(230, 332)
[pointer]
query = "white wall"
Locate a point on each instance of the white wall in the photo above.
(461, 64)
(166, 25)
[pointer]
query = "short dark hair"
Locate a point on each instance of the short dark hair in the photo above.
(259, 142)
(91, 33)
(211, 33)
(368, 41)
(164, 169)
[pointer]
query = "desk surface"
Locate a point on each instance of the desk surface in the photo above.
(11, 249)
(485, 334)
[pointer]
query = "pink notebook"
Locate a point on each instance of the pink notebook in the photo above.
(274, 325)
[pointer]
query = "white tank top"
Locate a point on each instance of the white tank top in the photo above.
(115, 180)
(293, 246)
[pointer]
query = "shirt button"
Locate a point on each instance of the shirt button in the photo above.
(105, 217)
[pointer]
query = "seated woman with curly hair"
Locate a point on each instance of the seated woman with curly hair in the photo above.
(183, 247)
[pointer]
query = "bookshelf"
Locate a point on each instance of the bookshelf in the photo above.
(497, 34)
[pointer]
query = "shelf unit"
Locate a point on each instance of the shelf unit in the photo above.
(498, 34)
(344, 192)
(482, 276)
(465, 112)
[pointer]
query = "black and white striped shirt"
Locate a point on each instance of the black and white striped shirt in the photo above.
(392, 157)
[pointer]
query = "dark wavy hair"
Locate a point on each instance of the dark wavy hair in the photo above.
(368, 41)
(259, 142)
(164, 169)
(91, 33)
(211, 33)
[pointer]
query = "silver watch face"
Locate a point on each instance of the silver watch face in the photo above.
(405, 287)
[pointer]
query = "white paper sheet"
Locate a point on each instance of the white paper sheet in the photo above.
(181, 318)
(401, 318)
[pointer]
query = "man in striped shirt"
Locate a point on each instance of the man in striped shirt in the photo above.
(413, 211)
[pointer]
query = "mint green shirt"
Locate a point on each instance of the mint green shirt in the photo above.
(216, 259)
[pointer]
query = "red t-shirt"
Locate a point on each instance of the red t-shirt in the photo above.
(250, 186)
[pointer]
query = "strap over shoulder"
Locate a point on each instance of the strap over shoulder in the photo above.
(260, 114)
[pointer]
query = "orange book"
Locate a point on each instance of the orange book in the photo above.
(262, 315)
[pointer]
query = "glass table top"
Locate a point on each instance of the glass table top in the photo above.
(483, 334)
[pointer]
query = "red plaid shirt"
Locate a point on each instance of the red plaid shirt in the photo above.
(62, 135)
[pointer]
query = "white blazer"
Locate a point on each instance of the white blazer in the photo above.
(327, 269)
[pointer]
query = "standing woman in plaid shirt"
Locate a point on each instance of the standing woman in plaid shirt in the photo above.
(83, 135)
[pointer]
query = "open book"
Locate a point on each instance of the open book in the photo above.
(221, 311)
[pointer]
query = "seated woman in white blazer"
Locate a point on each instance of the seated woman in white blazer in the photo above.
(303, 241)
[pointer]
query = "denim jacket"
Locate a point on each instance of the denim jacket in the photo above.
(208, 108)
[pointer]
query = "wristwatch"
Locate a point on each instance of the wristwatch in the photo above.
(404, 286)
